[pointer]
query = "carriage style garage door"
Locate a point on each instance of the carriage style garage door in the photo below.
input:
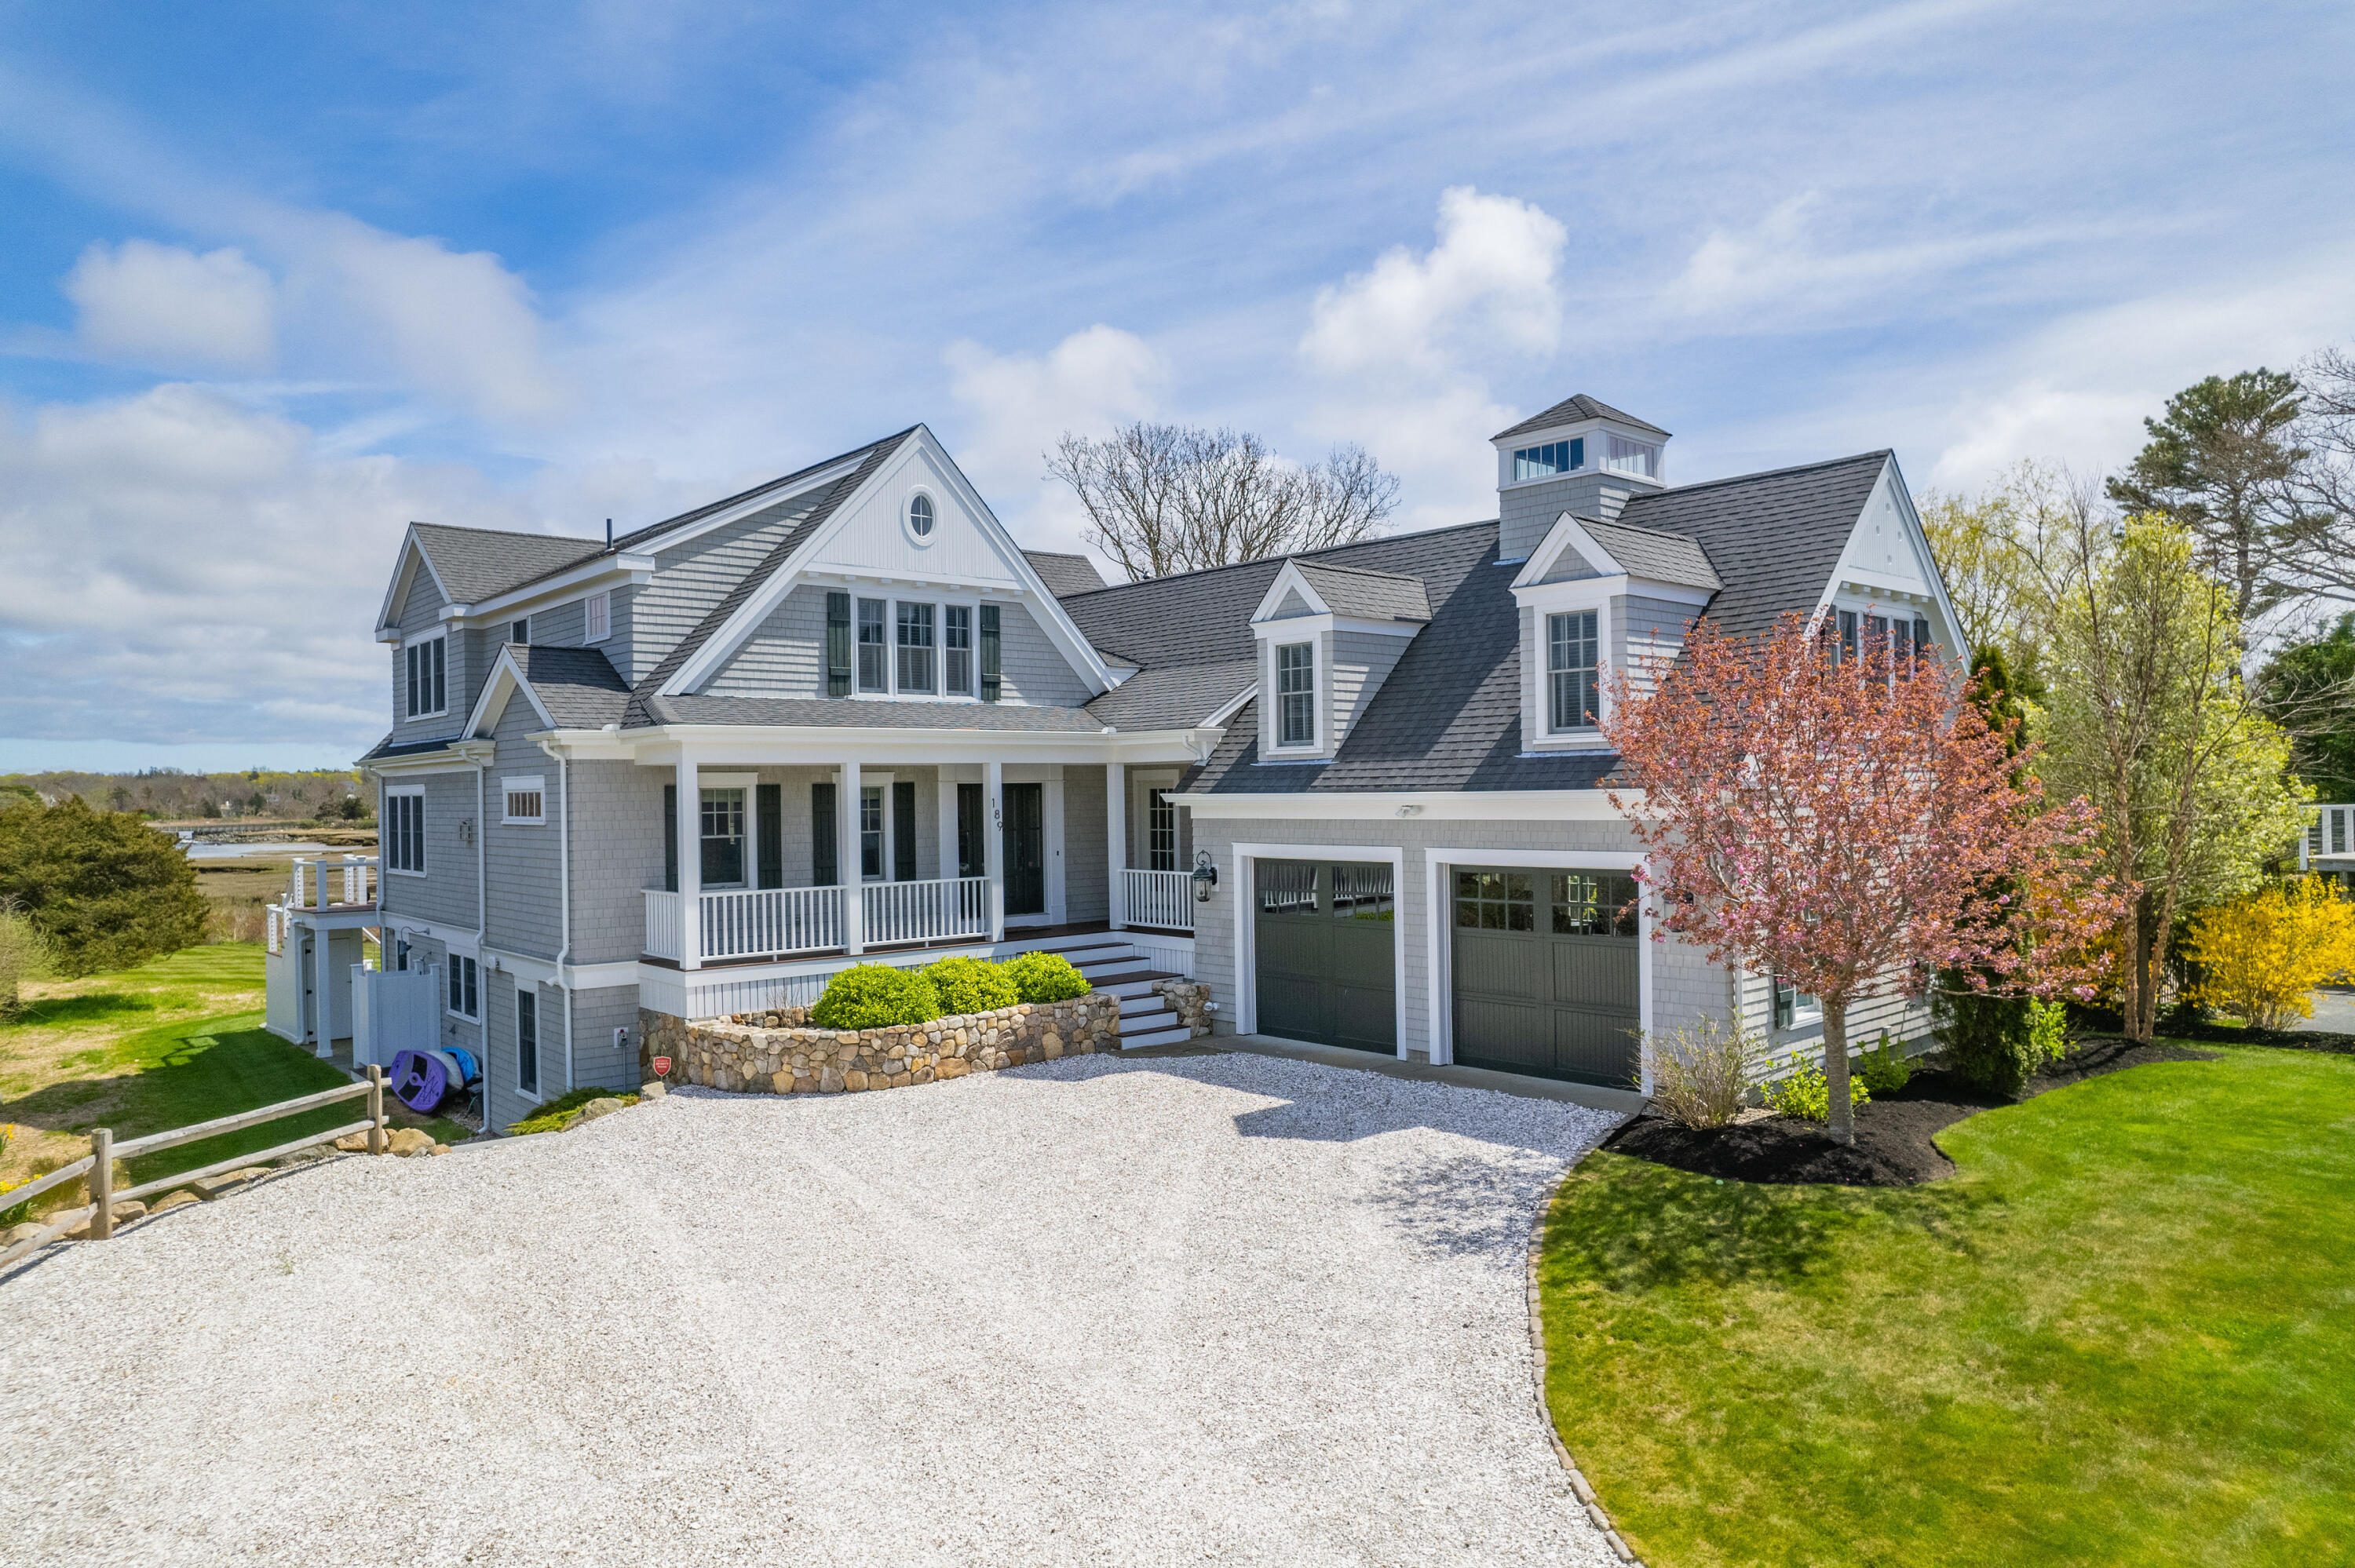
(1326, 957)
(1547, 976)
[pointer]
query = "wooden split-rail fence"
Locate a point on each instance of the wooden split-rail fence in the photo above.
(99, 1163)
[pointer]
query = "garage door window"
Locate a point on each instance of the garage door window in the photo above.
(1364, 893)
(1496, 900)
(1587, 905)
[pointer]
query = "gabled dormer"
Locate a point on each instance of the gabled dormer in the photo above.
(1328, 637)
(1580, 456)
(1598, 596)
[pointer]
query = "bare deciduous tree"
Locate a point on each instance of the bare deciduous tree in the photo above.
(1174, 498)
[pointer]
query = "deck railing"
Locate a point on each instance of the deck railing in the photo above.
(771, 922)
(329, 883)
(1160, 898)
(926, 911)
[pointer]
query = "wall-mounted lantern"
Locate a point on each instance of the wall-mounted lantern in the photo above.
(1206, 876)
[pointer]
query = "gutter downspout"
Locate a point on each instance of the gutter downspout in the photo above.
(564, 897)
(482, 931)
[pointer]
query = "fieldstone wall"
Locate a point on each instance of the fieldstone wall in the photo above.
(749, 1054)
(1190, 1001)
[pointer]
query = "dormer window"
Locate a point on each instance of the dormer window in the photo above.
(1553, 458)
(1624, 456)
(1296, 693)
(1573, 670)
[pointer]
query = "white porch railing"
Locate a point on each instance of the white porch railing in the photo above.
(772, 921)
(1163, 898)
(663, 940)
(329, 883)
(925, 911)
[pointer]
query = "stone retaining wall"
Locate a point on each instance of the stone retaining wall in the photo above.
(755, 1057)
(1190, 1001)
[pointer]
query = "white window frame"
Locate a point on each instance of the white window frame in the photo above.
(869, 779)
(597, 618)
(403, 792)
(1277, 745)
(519, 623)
(908, 517)
(899, 649)
(459, 965)
(972, 650)
(535, 785)
(748, 784)
(527, 988)
(1804, 1020)
(440, 635)
(1546, 674)
(1575, 597)
(859, 647)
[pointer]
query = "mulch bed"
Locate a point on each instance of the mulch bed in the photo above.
(1893, 1145)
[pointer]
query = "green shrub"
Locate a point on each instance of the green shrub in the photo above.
(1700, 1072)
(971, 985)
(1884, 1070)
(556, 1115)
(1806, 1093)
(876, 996)
(1045, 977)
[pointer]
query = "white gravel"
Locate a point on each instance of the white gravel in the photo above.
(1205, 1309)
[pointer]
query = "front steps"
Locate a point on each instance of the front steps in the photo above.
(1115, 967)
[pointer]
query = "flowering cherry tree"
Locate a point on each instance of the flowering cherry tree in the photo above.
(1847, 823)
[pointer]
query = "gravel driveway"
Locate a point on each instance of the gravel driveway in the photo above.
(1204, 1308)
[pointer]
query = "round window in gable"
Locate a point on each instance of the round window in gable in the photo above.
(920, 516)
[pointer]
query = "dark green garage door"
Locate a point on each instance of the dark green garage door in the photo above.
(1326, 955)
(1547, 973)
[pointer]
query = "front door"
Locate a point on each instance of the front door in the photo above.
(1026, 849)
(1326, 961)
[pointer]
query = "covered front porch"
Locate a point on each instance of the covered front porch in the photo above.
(795, 861)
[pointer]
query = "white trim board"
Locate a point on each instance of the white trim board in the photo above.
(1440, 806)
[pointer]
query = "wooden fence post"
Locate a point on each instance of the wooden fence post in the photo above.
(376, 1139)
(102, 1183)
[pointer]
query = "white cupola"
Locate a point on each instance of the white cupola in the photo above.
(1581, 456)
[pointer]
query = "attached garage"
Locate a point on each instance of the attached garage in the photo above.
(1547, 973)
(1325, 934)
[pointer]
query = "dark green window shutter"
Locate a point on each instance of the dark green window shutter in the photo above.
(903, 829)
(670, 838)
(769, 824)
(989, 652)
(838, 645)
(824, 872)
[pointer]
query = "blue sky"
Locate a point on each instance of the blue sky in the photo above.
(282, 278)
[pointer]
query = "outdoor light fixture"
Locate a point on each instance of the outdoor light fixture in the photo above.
(1206, 876)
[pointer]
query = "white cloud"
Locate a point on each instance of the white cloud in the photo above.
(1488, 286)
(1017, 406)
(160, 304)
(183, 568)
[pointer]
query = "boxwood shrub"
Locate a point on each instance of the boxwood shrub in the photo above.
(876, 996)
(1045, 977)
(971, 985)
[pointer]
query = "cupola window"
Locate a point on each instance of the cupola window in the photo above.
(1554, 456)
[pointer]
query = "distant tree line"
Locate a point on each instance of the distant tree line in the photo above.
(166, 794)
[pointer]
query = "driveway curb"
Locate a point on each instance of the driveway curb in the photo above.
(1578, 1482)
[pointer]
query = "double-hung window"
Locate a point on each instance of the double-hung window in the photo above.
(724, 838)
(1295, 694)
(528, 1039)
(404, 829)
(1573, 670)
(915, 647)
(874, 650)
(1160, 831)
(597, 618)
(465, 975)
(1793, 1008)
(956, 649)
(428, 676)
(870, 830)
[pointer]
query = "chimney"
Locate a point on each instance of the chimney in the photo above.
(1581, 456)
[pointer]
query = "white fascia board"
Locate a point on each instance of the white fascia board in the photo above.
(504, 677)
(714, 655)
(1567, 533)
(760, 500)
(588, 576)
(1572, 593)
(1224, 714)
(1289, 580)
(1466, 806)
(447, 760)
(412, 555)
(1290, 626)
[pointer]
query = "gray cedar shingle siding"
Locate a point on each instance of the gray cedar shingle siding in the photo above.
(1291, 606)
(617, 852)
(560, 627)
(786, 657)
(521, 874)
(1032, 669)
(1086, 844)
(445, 893)
(1362, 661)
(691, 579)
(595, 1060)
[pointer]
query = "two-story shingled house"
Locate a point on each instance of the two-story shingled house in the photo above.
(697, 768)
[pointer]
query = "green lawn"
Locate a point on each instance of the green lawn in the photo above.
(155, 1047)
(2123, 1332)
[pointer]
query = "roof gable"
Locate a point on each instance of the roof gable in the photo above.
(1572, 410)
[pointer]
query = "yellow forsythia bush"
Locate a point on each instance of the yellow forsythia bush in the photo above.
(2265, 952)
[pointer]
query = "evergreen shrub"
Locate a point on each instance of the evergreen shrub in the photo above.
(876, 996)
(971, 985)
(1045, 977)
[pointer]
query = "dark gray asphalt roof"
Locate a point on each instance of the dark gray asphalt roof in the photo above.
(389, 746)
(1064, 574)
(1773, 538)
(1367, 596)
(1571, 409)
(1648, 553)
(1174, 696)
(475, 563)
(578, 686)
(871, 459)
(836, 713)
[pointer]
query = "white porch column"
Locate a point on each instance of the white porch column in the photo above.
(1116, 842)
(690, 864)
(993, 843)
(847, 856)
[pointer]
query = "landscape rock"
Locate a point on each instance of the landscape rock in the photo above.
(654, 1089)
(211, 1187)
(603, 1106)
(125, 1212)
(439, 1149)
(180, 1199)
(353, 1144)
(24, 1231)
(408, 1140)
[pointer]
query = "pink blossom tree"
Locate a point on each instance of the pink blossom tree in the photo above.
(1847, 823)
